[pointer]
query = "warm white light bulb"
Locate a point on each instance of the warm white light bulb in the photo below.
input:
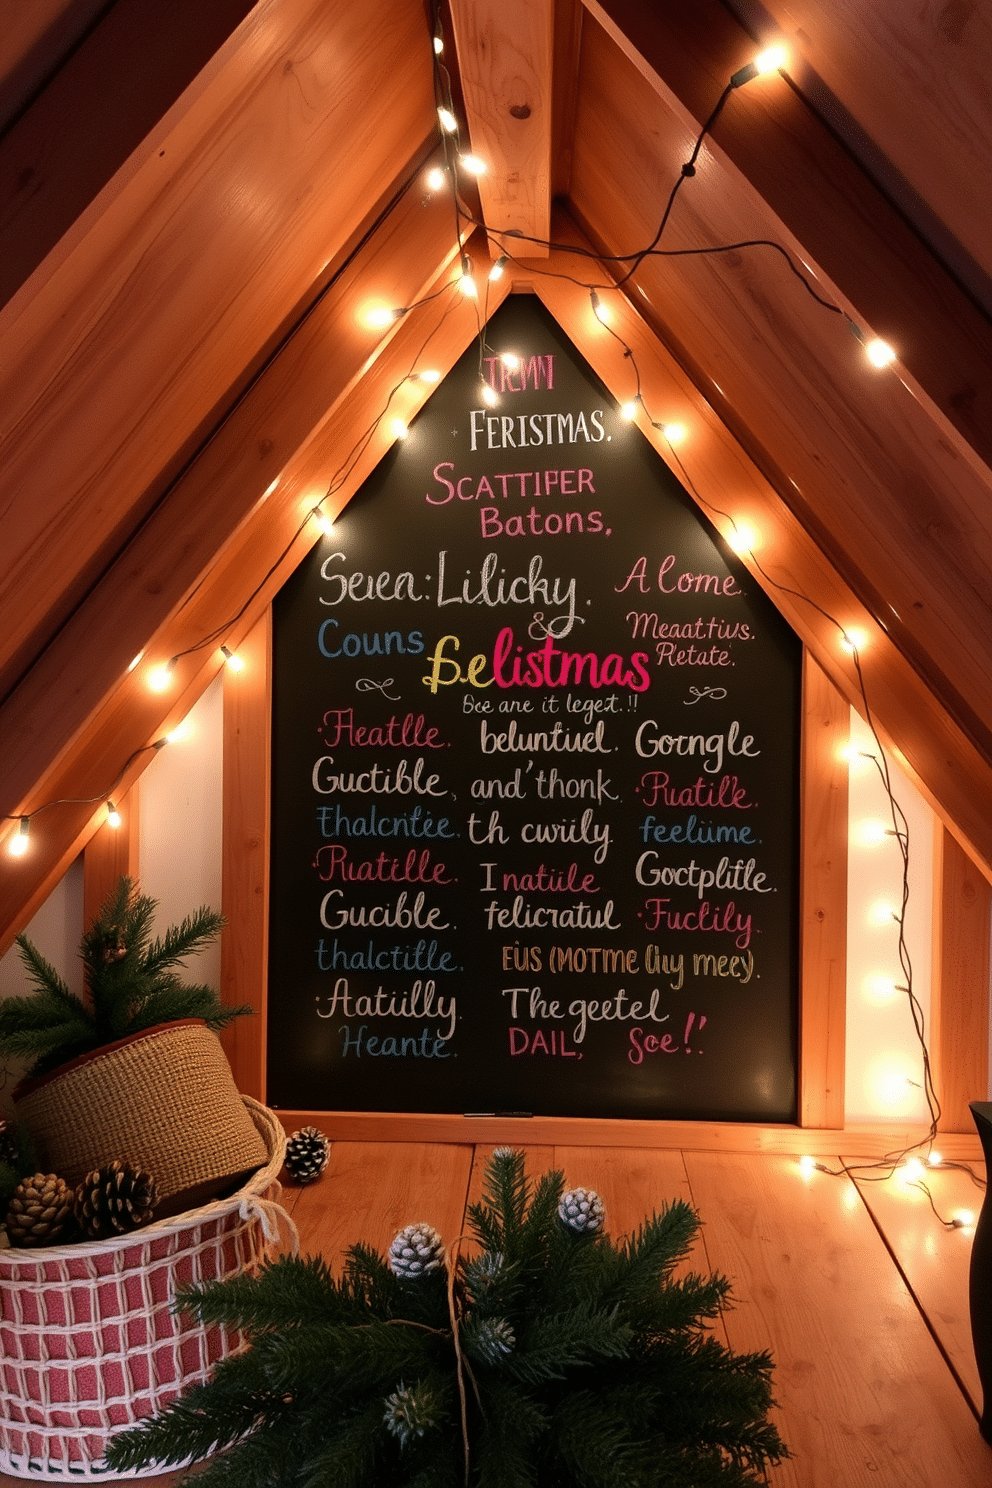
(325, 523)
(674, 433)
(438, 46)
(963, 1217)
(882, 913)
(378, 316)
(430, 374)
(879, 352)
(807, 1165)
(912, 1170)
(113, 816)
(399, 429)
(18, 844)
(488, 396)
(628, 411)
(743, 538)
(853, 639)
(497, 270)
(467, 285)
(510, 360)
(232, 659)
(180, 732)
(435, 179)
(473, 165)
(872, 832)
(935, 1158)
(600, 311)
(160, 677)
(770, 60)
(447, 120)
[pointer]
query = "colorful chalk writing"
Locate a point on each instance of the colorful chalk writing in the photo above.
(535, 777)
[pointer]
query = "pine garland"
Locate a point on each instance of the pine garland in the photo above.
(584, 1364)
(131, 984)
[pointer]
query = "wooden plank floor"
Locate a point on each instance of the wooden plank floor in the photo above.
(855, 1287)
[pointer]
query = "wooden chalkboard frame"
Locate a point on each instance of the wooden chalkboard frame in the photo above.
(823, 915)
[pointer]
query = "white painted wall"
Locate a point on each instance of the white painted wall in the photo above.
(884, 1058)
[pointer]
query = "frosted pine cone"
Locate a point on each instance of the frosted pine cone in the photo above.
(582, 1210)
(40, 1209)
(411, 1412)
(113, 1201)
(491, 1339)
(482, 1271)
(307, 1152)
(415, 1251)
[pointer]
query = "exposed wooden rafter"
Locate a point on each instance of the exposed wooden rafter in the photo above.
(505, 52)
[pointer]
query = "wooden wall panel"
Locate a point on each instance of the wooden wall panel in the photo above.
(823, 891)
(110, 854)
(245, 882)
(959, 1013)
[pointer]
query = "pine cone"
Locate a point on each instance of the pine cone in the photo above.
(40, 1209)
(307, 1152)
(415, 1251)
(490, 1339)
(412, 1411)
(114, 1200)
(581, 1209)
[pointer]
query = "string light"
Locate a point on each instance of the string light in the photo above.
(232, 660)
(18, 845)
(879, 352)
(325, 523)
(873, 832)
(430, 375)
(447, 120)
(488, 396)
(600, 311)
(498, 269)
(807, 1165)
(962, 1218)
(438, 46)
(743, 538)
(379, 316)
(435, 179)
(770, 60)
(510, 360)
(465, 281)
(399, 429)
(674, 433)
(628, 411)
(853, 639)
(113, 816)
(472, 164)
(935, 1159)
(160, 677)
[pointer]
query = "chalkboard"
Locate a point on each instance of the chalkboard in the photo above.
(535, 776)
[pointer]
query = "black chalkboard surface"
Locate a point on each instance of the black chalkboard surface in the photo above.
(535, 777)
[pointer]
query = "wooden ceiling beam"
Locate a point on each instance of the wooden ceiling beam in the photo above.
(124, 346)
(823, 199)
(791, 567)
(257, 557)
(896, 498)
(505, 53)
(102, 104)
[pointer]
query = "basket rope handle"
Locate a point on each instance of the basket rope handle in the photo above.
(274, 1220)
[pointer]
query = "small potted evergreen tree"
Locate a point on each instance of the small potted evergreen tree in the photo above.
(133, 1070)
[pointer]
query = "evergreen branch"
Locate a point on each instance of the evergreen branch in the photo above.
(191, 935)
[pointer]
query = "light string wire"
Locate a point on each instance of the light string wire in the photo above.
(450, 137)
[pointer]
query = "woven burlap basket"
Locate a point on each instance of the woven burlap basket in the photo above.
(163, 1100)
(90, 1343)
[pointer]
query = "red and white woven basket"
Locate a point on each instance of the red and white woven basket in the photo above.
(89, 1340)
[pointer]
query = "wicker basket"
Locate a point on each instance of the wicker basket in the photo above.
(164, 1100)
(90, 1343)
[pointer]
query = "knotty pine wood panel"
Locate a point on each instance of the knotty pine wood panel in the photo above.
(505, 50)
(823, 900)
(568, 16)
(800, 577)
(90, 658)
(244, 947)
(368, 1191)
(817, 192)
(115, 360)
(66, 145)
(898, 502)
(864, 1396)
(959, 996)
(934, 1261)
(915, 78)
(110, 854)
